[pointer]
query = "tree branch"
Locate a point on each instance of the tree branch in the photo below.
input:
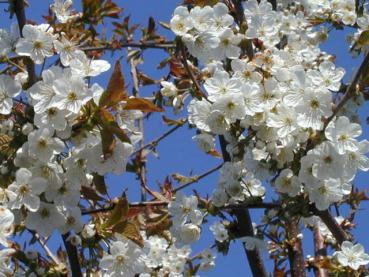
(245, 226)
(141, 45)
(141, 170)
(72, 257)
(154, 142)
(198, 93)
(338, 233)
(21, 18)
(165, 203)
(195, 179)
(295, 251)
(320, 251)
(351, 90)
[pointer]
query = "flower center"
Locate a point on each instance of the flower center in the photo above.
(42, 143)
(24, 189)
(328, 160)
(120, 259)
(38, 45)
(71, 220)
(314, 104)
(44, 213)
(51, 112)
(72, 96)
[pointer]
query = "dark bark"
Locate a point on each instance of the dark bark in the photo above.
(72, 252)
(295, 251)
(245, 227)
(21, 18)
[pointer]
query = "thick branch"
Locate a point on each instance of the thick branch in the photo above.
(338, 233)
(295, 252)
(72, 257)
(245, 227)
(21, 18)
(320, 250)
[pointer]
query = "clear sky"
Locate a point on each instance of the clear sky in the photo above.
(178, 154)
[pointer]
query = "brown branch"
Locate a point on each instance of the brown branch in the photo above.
(141, 45)
(141, 171)
(241, 21)
(199, 93)
(195, 179)
(320, 250)
(351, 90)
(294, 247)
(338, 233)
(256, 205)
(72, 256)
(165, 203)
(245, 226)
(155, 142)
(21, 18)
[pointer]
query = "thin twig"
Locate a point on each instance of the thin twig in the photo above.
(199, 92)
(16, 65)
(165, 203)
(195, 179)
(141, 170)
(47, 250)
(141, 45)
(351, 90)
(155, 142)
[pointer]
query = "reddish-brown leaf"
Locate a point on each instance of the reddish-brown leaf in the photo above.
(108, 142)
(142, 104)
(116, 90)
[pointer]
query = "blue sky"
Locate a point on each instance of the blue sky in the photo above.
(178, 154)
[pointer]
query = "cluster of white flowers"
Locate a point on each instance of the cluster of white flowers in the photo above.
(128, 259)
(236, 184)
(269, 93)
(187, 219)
(207, 31)
(338, 11)
(282, 96)
(219, 231)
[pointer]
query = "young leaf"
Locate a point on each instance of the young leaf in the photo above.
(129, 230)
(108, 142)
(116, 90)
(119, 212)
(142, 104)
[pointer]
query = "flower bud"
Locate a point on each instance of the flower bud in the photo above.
(27, 128)
(190, 233)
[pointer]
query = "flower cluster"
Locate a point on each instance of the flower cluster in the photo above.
(264, 87)
(282, 97)
(186, 219)
(270, 92)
